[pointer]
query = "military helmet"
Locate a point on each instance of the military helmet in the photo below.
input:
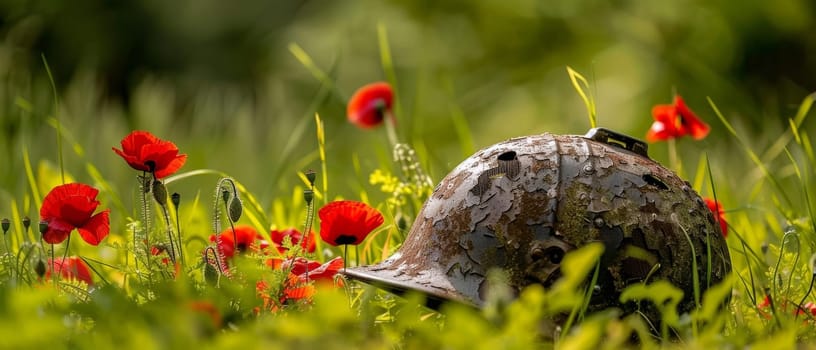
(522, 204)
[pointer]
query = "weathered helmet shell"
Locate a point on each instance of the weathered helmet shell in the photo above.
(520, 205)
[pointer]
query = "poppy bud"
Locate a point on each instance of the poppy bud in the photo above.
(210, 274)
(236, 208)
(43, 227)
(39, 268)
(159, 192)
(6, 223)
(176, 198)
(402, 224)
(308, 195)
(311, 175)
(26, 223)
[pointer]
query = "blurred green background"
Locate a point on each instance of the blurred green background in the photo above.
(219, 79)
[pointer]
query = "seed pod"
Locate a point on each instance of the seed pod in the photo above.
(308, 195)
(176, 199)
(43, 227)
(311, 175)
(5, 224)
(26, 223)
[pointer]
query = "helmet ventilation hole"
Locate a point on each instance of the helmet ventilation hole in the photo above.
(507, 156)
(652, 180)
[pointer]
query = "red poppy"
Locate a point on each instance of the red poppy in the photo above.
(347, 222)
(71, 206)
(145, 152)
(298, 284)
(278, 236)
(766, 302)
(809, 307)
(370, 104)
(306, 269)
(675, 121)
(70, 268)
(325, 272)
(246, 237)
(719, 214)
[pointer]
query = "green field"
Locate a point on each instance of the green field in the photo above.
(256, 95)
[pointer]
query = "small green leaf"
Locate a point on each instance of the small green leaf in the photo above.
(663, 294)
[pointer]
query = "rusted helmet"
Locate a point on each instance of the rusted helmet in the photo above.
(522, 204)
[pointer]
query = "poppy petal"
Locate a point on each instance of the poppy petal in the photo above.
(133, 161)
(244, 237)
(70, 268)
(719, 214)
(57, 231)
(145, 152)
(690, 122)
(74, 203)
(347, 222)
(279, 236)
(369, 104)
(96, 229)
(298, 293)
(326, 271)
(658, 132)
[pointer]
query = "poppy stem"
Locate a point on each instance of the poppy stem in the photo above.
(8, 251)
(226, 195)
(178, 230)
(673, 162)
(169, 233)
(53, 275)
(145, 187)
(345, 257)
(64, 254)
(390, 130)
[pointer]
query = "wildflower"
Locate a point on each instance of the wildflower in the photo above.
(244, 237)
(70, 268)
(71, 206)
(278, 237)
(675, 121)
(145, 152)
(300, 282)
(719, 214)
(347, 222)
(370, 104)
